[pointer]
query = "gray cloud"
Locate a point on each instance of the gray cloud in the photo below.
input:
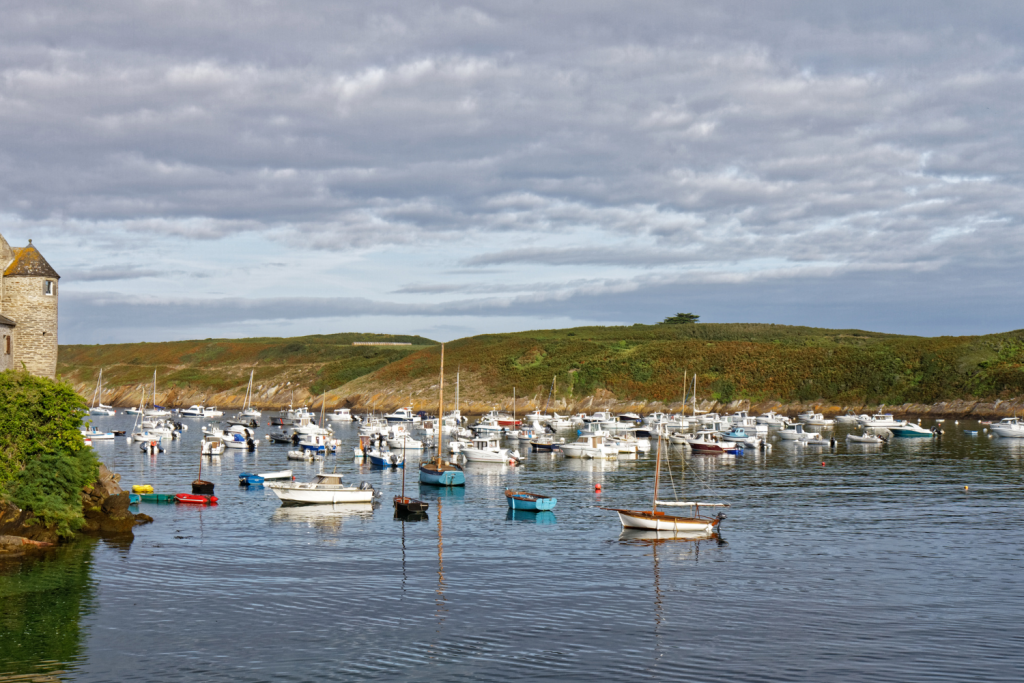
(739, 145)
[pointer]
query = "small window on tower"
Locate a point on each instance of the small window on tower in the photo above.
(48, 287)
(7, 345)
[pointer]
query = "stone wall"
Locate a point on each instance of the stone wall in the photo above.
(35, 335)
(6, 360)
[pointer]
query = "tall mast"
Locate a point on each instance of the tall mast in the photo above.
(513, 406)
(657, 474)
(458, 372)
(154, 389)
(685, 387)
(440, 420)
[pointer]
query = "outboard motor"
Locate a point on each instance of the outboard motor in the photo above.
(295, 439)
(250, 444)
(720, 516)
(365, 486)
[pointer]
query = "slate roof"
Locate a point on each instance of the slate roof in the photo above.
(29, 262)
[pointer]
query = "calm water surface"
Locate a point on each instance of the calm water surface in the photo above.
(876, 566)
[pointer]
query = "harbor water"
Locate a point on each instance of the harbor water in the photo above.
(900, 562)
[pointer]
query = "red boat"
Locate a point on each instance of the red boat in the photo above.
(196, 499)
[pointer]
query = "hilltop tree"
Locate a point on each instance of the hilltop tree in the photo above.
(680, 319)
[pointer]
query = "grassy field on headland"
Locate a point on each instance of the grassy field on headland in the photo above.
(641, 363)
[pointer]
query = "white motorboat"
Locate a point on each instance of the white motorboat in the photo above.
(97, 435)
(739, 435)
(557, 421)
(341, 415)
(796, 432)
(404, 442)
(211, 411)
(872, 439)
(97, 407)
(488, 449)
(324, 489)
(402, 415)
(133, 411)
(192, 411)
(212, 445)
(488, 425)
(849, 419)
(880, 420)
(815, 419)
(237, 436)
(749, 424)
(590, 446)
(1010, 427)
(772, 419)
(536, 416)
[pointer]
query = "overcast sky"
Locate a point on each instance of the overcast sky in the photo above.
(226, 169)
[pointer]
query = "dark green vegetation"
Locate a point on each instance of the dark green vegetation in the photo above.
(316, 362)
(44, 599)
(681, 319)
(44, 463)
(751, 361)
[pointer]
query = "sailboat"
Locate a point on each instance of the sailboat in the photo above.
(440, 472)
(656, 520)
(247, 408)
(157, 411)
(97, 400)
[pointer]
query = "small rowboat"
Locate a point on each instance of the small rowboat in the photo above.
(142, 488)
(134, 498)
(157, 497)
(245, 479)
(280, 474)
(196, 499)
(524, 500)
(406, 505)
(873, 439)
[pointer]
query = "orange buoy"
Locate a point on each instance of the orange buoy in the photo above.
(822, 463)
(597, 487)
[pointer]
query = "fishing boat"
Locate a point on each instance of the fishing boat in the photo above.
(815, 419)
(341, 415)
(440, 472)
(157, 497)
(796, 432)
(523, 500)
(212, 445)
(196, 499)
(739, 435)
(879, 420)
(656, 520)
(590, 446)
(911, 430)
(323, 489)
(772, 419)
(247, 408)
(546, 443)
(193, 411)
(402, 415)
(97, 407)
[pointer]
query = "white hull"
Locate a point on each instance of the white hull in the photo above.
(301, 493)
(669, 524)
(282, 474)
(99, 436)
(476, 455)
(105, 411)
(1008, 432)
(574, 451)
(405, 444)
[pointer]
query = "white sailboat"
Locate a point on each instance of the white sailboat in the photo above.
(156, 411)
(247, 408)
(97, 407)
(656, 520)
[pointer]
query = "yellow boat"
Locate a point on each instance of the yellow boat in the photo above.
(142, 488)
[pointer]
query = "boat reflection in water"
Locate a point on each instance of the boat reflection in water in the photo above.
(324, 517)
(541, 517)
(651, 538)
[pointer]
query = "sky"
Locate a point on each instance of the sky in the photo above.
(264, 168)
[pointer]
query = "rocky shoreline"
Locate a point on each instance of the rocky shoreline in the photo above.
(104, 505)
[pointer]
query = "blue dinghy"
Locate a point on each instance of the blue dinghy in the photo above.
(246, 479)
(386, 459)
(134, 498)
(443, 474)
(524, 500)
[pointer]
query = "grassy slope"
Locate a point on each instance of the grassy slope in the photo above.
(316, 362)
(753, 361)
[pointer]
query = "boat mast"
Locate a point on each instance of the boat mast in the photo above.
(657, 474)
(513, 406)
(685, 387)
(440, 425)
(154, 389)
(695, 394)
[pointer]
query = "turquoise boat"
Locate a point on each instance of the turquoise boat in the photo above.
(158, 498)
(524, 500)
(542, 517)
(134, 498)
(247, 479)
(442, 474)
(912, 430)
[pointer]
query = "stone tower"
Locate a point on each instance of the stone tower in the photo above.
(28, 299)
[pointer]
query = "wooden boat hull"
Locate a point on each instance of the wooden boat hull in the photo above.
(532, 502)
(640, 519)
(409, 505)
(451, 475)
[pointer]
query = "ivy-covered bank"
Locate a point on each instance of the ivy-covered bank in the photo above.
(51, 485)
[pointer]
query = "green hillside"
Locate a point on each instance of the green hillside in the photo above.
(315, 362)
(759, 362)
(750, 361)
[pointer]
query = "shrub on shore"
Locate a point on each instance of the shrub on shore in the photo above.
(44, 462)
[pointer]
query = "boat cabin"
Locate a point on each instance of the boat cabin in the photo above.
(486, 443)
(324, 479)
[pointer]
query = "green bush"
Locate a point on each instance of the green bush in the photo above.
(44, 463)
